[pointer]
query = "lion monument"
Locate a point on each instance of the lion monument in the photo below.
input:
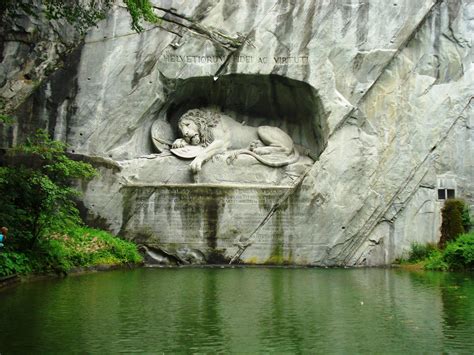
(208, 132)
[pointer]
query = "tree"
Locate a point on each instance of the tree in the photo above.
(35, 189)
(82, 15)
(140, 10)
(452, 221)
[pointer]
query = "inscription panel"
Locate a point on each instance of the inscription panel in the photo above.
(206, 217)
(200, 59)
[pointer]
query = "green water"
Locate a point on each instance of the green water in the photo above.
(241, 310)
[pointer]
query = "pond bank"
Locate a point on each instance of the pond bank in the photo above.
(15, 279)
(9, 280)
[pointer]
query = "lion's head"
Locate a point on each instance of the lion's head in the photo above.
(195, 126)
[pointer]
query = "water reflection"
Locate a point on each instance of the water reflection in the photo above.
(242, 310)
(456, 298)
(457, 294)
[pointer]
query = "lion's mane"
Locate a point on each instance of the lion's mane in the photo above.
(205, 120)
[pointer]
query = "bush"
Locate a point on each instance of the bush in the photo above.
(77, 246)
(466, 218)
(452, 221)
(14, 263)
(435, 261)
(460, 253)
(37, 205)
(83, 247)
(36, 192)
(420, 252)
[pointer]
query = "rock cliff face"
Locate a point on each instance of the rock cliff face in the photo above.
(380, 92)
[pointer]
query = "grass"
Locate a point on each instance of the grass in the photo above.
(420, 252)
(76, 247)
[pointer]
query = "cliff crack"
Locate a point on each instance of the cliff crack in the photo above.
(189, 24)
(385, 68)
(245, 39)
(409, 186)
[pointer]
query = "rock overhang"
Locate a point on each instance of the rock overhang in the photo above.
(256, 99)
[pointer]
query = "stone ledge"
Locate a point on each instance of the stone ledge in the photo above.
(246, 170)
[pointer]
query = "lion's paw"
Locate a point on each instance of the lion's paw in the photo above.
(196, 165)
(261, 150)
(255, 144)
(230, 158)
(179, 143)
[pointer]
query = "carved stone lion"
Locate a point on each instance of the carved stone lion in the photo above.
(217, 133)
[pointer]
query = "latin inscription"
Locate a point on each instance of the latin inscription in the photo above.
(244, 59)
(190, 215)
(193, 59)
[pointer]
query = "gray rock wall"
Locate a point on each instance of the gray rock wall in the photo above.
(384, 88)
(31, 49)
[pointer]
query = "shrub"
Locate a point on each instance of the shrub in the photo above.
(435, 261)
(35, 189)
(466, 218)
(81, 247)
(37, 201)
(77, 246)
(460, 253)
(14, 263)
(452, 221)
(420, 252)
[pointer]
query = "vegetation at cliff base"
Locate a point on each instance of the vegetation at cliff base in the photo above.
(457, 255)
(460, 253)
(36, 195)
(73, 247)
(455, 250)
(37, 204)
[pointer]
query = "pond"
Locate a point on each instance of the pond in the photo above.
(242, 310)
